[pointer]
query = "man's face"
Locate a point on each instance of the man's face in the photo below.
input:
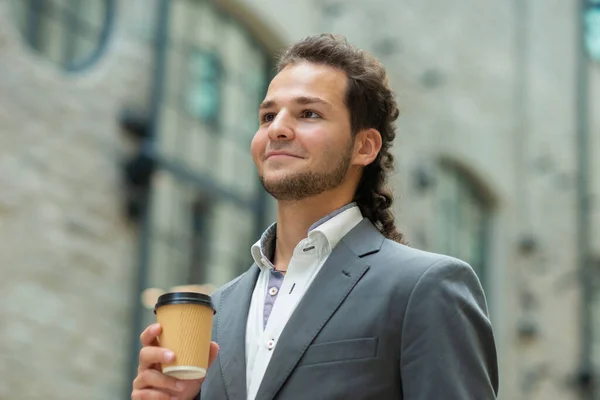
(304, 145)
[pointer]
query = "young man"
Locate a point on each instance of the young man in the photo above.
(336, 306)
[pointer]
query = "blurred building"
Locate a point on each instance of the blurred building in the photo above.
(111, 106)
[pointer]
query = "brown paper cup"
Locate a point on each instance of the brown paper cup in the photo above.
(186, 320)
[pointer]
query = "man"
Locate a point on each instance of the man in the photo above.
(336, 306)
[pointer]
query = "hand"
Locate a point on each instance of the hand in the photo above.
(151, 383)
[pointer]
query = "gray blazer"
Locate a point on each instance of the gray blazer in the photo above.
(380, 321)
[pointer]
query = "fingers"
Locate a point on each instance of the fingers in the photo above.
(152, 355)
(149, 394)
(150, 334)
(214, 351)
(151, 378)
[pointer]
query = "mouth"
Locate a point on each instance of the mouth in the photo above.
(280, 154)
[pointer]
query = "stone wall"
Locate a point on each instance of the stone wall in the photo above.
(67, 252)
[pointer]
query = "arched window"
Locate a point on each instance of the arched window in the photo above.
(463, 216)
(70, 33)
(207, 199)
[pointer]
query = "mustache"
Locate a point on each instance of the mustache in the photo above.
(284, 148)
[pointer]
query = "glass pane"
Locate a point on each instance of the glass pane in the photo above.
(233, 111)
(92, 14)
(179, 137)
(21, 12)
(173, 80)
(255, 62)
(246, 180)
(446, 206)
(142, 24)
(84, 47)
(454, 215)
(181, 11)
(462, 216)
(233, 49)
(184, 151)
(469, 230)
(162, 201)
(228, 166)
(207, 27)
(462, 228)
(248, 121)
(60, 5)
(168, 131)
(203, 96)
(200, 148)
(230, 242)
(201, 212)
(51, 39)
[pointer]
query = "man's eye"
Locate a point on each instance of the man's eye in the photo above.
(268, 117)
(310, 114)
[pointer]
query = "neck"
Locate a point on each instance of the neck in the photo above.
(294, 219)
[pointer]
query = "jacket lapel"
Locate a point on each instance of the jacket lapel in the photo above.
(336, 279)
(233, 307)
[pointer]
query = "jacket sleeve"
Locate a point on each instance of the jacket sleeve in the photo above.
(447, 349)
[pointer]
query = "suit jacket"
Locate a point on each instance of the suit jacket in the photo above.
(380, 321)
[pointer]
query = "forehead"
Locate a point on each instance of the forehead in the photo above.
(308, 79)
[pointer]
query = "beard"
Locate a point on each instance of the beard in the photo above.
(302, 185)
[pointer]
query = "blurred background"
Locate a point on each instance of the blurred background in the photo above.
(111, 108)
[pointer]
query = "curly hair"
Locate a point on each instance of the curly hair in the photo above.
(372, 104)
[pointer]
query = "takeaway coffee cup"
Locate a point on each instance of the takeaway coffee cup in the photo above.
(186, 320)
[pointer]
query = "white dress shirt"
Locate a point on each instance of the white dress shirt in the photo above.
(307, 260)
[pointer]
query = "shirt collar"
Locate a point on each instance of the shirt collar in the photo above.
(263, 251)
(325, 233)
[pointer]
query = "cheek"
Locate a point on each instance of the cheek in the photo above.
(322, 149)
(257, 147)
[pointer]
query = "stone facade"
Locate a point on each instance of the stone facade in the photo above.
(490, 87)
(67, 253)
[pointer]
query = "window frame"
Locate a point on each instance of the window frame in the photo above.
(465, 187)
(35, 10)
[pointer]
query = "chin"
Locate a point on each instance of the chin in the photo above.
(274, 179)
(278, 177)
(277, 174)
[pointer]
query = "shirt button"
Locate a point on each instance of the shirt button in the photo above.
(273, 291)
(271, 344)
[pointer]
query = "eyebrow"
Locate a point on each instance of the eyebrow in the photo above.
(303, 100)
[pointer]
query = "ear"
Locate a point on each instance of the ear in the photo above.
(367, 145)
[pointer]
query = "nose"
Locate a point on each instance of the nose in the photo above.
(281, 128)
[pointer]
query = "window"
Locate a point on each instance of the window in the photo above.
(203, 93)
(70, 33)
(207, 201)
(463, 216)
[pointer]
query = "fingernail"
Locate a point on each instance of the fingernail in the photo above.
(168, 356)
(180, 386)
(155, 327)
